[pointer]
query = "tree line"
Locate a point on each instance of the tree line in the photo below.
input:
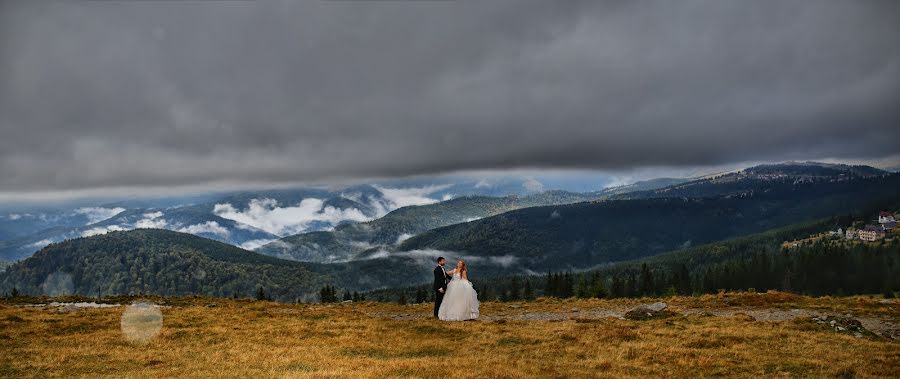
(817, 269)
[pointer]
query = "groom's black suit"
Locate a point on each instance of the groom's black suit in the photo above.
(440, 283)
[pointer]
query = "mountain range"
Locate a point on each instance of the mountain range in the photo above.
(246, 218)
(553, 230)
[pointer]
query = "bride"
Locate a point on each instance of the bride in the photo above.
(461, 301)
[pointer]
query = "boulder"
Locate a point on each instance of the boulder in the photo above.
(648, 311)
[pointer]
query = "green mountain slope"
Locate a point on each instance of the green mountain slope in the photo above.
(756, 262)
(348, 240)
(154, 261)
(587, 234)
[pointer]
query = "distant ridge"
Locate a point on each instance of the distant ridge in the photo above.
(814, 169)
(742, 182)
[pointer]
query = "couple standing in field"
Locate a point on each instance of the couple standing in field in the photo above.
(454, 297)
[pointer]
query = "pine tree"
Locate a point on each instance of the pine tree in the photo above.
(14, 293)
(527, 292)
(514, 290)
(420, 296)
(347, 296)
(568, 283)
(709, 282)
(548, 285)
(618, 287)
(583, 290)
(328, 294)
(631, 288)
(260, 294)
(598, 286)
(683, 281)
(786, 281)
(646, 285)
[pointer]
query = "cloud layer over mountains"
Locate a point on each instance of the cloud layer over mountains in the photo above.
(105, 94)
(286, 219)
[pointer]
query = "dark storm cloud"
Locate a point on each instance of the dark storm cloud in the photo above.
(101, 94)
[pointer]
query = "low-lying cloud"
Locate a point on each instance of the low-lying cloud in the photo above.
(40, 244)
(404, 197)
(266, 214)
(102, 230)
(152, 220)
(97, 214)
(403, 237)
(427, 257)
(209, 227)
(149, 220)
(254, 244)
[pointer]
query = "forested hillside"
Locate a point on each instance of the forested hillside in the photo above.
(587, 234)
(350, 239)
(154, 261)
(755, 262)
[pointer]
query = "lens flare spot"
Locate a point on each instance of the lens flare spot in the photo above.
(141, 322)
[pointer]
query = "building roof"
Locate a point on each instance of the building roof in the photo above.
(885, 214)
(873, 228)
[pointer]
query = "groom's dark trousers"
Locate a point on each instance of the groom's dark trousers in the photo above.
(440, 284)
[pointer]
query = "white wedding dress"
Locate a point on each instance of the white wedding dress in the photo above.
(460, 302)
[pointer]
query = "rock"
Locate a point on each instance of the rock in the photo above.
(893, 334)
(648, 311)
(657, 307)
(514, 306)
(212, 305)
(842, 324)
(575, 310)
(68, 308)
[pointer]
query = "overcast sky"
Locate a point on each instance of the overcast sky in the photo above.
(99, 94)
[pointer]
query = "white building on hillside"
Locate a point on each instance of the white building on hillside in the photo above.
(871, 233)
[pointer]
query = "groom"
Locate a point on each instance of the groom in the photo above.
(440, 284)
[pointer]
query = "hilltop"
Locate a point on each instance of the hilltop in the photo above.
(156, 261)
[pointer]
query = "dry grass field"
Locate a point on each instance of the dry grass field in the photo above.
(730, 335)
